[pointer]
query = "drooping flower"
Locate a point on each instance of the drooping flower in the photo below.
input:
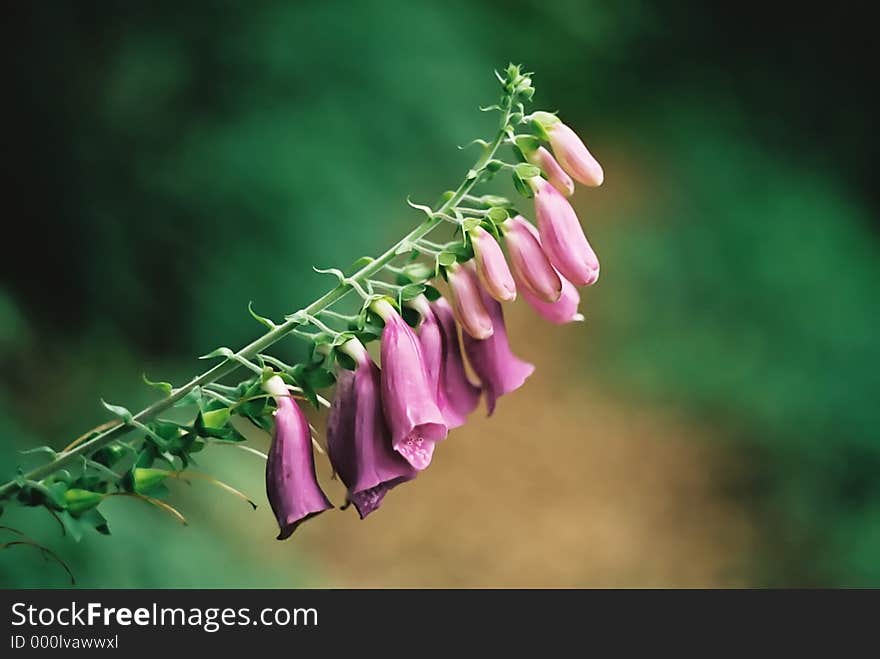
(358, 440)
(562, 237)
(291, 484)
(570, 150)
(554, 172)
(532, 271)
(408, 400)
(467, 301)
(456, 395)
(462, 396)
(499, 370)
(491, 265)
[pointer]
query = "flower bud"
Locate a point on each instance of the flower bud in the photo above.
(409, 403)
(552, 170)
(568, 148)
(532, 271)
(562, 237)
(467, 301)
(358, 440)
(492, 268)
(291, 484)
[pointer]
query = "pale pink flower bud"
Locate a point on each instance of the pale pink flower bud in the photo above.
(544, 160)
(467, 301)
(531, 269)
(491, 267)
(562, 237)
(571, 152)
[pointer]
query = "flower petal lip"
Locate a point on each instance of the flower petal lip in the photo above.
(574, 156)
(532, 271)
(467, 301)
(562, 311)
(459, 395)
(409, 404)
(431, 342)
(499, 370)
(291, 484)
(562, 237)
(358, 440)
(492, 269)
(554, 172)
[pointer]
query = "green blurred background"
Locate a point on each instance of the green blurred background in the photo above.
(713, 422)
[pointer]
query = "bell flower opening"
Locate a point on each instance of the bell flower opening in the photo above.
(291, 483)
(358, 439)
(409, 403)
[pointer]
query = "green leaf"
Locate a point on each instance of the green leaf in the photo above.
(446, 259)
(164, 387)
(522, 187)
(526, 171)
(411, 291)
(344, 360)
(96, 520)
(118, 410)
(470, 224)
(357, 265)
(415, 273)
(497, 214)
(432, 293)
(192, 397)
(260, 319)
(215, 418)
(218, 352)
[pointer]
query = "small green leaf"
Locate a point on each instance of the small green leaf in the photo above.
(215, 418)
(522, 187)
(218, 352)
(118, 410)
(446, 259)
(260, 319)
(527, 171)
(432, 293)
(96, 520)
(357, 265)
(411, 291)
(497, 214)
(470, 224)
(164, 387)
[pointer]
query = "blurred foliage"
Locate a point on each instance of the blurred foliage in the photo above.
(169, 163)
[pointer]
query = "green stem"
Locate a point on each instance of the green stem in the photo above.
(274, 335)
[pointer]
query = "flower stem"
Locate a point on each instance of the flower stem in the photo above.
(277, 333)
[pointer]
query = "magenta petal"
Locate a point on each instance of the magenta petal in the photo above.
(492, 268)
(358, 440)
(531, 268)
(460, 395)
(499, 370)
(291, 484)
(410, 407)
(574, 156)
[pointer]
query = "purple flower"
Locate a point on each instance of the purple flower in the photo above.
(438, 336)
(291, 484)
(467, 301)
(562, 237)
(543, 159)
(492, 269)
(571, 152)
(499, 370)
(462, 396)
(358, 440)
(408, 400)
(532, 272)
